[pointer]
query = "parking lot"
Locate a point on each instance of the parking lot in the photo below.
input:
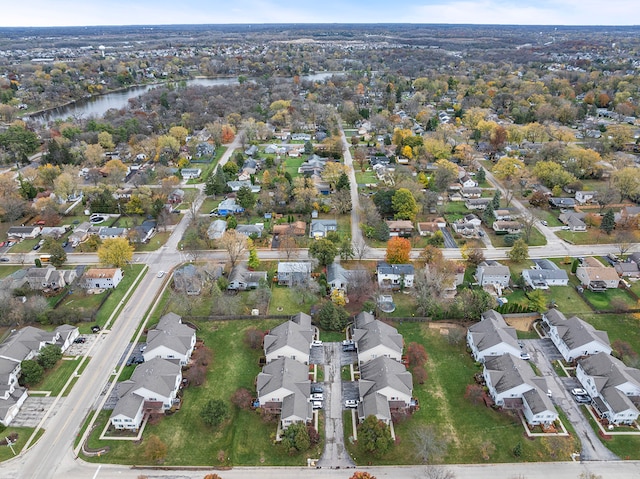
(82, 349)
(34, 409)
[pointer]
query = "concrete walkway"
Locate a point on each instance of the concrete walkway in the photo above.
(335, 455)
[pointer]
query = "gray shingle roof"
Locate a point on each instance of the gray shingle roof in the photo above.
(376, 333)
(290, 334)
(492, 330)
(575, 332)
(383, 372)
(398, 269)
(284, 373)
(170, 333)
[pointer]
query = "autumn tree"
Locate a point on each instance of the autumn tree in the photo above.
(398, 251)
(508, 168)
(416, 354)
(115, 170)
(242, 399)
(429, 447)
(116, 252)
(235, 244)
(404, 205)
(324, 251)
(627, 182)
(362, 475)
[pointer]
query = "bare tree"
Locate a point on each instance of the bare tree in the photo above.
(429, 447)
(624, 241)
(360, 285)
(360, 249)
(235, 244)
(438, 472)
(527, 221)
(288, 244)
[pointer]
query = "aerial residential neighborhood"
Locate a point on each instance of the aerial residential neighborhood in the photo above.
(277, 252)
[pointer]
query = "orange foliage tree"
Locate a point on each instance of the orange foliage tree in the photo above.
(398, 250)
(228, 134)
(362, 475)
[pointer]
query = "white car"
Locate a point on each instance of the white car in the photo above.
(317, 397)
(578, 392)
(160, 274)
(351, 403)
(525, 356)
(316, 404)
(316, 342)
(565, 228)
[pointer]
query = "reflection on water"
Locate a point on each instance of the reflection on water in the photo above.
(96, 106)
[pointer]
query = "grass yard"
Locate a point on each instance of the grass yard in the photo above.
(7, 270)
(606, 301)
(155, 242)
(591, 236)
(405, 305)
(207, 168)
(284, 297)
(130, 275)
(545, 215)
(243, 439)
(466, 427)
(55, 379)
(24, 246)
(208, 204)
(622, 327)
(24, 433)
(535, 239)
(366, 177)
(292, 165)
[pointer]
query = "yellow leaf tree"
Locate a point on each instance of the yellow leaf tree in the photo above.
(116, 252)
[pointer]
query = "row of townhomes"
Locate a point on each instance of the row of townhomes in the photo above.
(385, 386)
(51, 279)
(614, 388)
(22, 345)
(283, 386)
(154, 385)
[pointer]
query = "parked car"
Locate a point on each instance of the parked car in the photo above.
(316, 388)
(65, 244)
(2, 243)
(36, 247)
(4, 259)
(95, 329)
(160, 274)
(317, 397)
(316, 342)
(316, 404)
(135, 360)
(578, 392)
(351, 403)
(582, 399)
(565, 228)
(80, 340)
(525, 356)
(544, 223)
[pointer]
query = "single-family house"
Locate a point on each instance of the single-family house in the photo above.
(339, 278)
(190, 173)
(512, 384)
(596, 276)
(54, 231)
(170, 339)
(627, 269)
(248, 230)
(153, 387)
(492, 337)
(236, 185)
(403, 228)
(292, 273)
(252, 150)
(574, 220)
(216, 229)
(80, 234)
(502, 227)
(103, 278)
(477, 203)
(584, 197)
(574, 337)
(106, 232)
(395, 276)
(543, 274)
(492, 273)
(503, 214)
(427, 228)
(49, 278)
(314, 165)
(229, 207)
(562, 202)
(467, 182)
(176, 196)
(320, 228)
(241, 279)
(613, 386)
(23, 232)
(283, 387)
(373, 339)
(144, 232)
(188, 279)
(628, 215)
(291, 339)
(471, 192)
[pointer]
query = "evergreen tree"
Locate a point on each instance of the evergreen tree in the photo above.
(488, 216)
(495, 202)
(608, 222)
(343, 182)
(481, 176)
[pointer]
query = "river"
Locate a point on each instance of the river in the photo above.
(98, 105)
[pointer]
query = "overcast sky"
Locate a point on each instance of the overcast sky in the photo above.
(155, 12)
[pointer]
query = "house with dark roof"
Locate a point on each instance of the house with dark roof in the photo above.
(492, 273)
(320, 228)
(492, 337)
(170, 339)
(512, 384)
(613, 386)
(248, 230)
(471, 192)
(477, 203)
(403, 228)
(543, 274)
(23, 232)
(284, 388)
(574, 220)
(241, 279)
(395, 276)
(562, 202)
(503, 227)
(627, 269)
(373, 339)
(291, 339)
(338, 278)
(153, 387)
(49, 278)
(574, 337)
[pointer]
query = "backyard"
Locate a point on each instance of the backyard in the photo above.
(243, 439)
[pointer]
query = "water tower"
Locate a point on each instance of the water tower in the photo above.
(101, 48)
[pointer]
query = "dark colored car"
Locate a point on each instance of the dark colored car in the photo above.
(135, 360)
(316, 389)
(95, 329)
(36, 247)
(79, 340)
(65, 244)
(4, 259)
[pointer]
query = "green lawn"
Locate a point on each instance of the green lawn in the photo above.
(24, 433)
(535, 239)
(207, 167)
(55, 379)
(130, 275)
(622, 327)
(244, 437)
(463, 425)
(7, 270)
(154, 243)
(285, 298)
(208, 204)
(366, 177)
(606, 300)
(591, 236)
(24, 246)
(546, 215)
(292, 165)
